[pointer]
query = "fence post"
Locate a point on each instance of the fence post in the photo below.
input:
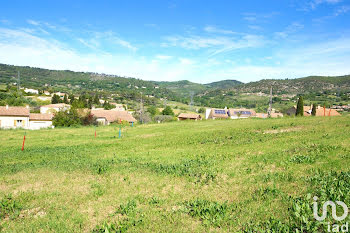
(24, 139)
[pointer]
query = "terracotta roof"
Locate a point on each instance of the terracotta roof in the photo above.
(320, 111)
(276, 114)
(113, 116)
(242, 111)
(14, 111)
(61, 105)
(261, 115)
(40, 117)
(189, 115)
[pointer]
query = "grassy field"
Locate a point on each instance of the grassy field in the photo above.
(232, 175)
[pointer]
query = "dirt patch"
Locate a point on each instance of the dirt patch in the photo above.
(35, 212)
(274, 131)
(150, 135)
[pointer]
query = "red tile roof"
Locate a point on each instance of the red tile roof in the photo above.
(14, 111)
(113, 116)
(189, 116)
(40, 117)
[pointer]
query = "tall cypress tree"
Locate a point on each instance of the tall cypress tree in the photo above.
(55, 99)
(313, 112)
(300, 107)
(65, 99)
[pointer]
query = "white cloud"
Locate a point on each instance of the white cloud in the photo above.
(186, 61)
(23, 47)
(255, 17)
(19, 47)
(33, 22)
(290, 29)
(341, 10)
(163, 57)
(212, 29)
(255, 27)
(315, 3)
(5, 21)
(216, 44)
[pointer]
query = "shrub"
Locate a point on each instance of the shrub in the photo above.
(9, 207)
(164, 118)
(168, 111)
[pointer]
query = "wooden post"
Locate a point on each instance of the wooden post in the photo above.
(24, 139)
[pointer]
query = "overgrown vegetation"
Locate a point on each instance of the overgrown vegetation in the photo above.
(204, 176)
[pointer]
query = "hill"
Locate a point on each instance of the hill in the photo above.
(252, 175)
(187, 88)
(217, 94)
(78, 82)
(297, 86)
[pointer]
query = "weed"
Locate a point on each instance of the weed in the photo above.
(9, 207)
(210, 212)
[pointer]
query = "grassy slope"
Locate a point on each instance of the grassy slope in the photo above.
(68, 180)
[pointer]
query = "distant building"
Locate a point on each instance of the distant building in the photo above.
(20, 117)
(216, 113)
(31, 91)
(53, 108)
(105, 117)
(261, 115)
(236, 113)
(14, 117)
(39, 121)
(60, 94)
(320, 111)
(189, 116)
(118, 107)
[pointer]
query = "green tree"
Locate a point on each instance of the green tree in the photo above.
(152, 110)
(313, 112)
(96, 100)
(90, 102)
(168, 111)
(71, 98)
(78, 104)
(201, 110)
(65, 99)
(107, 105)
(300, 107)
(55, 99)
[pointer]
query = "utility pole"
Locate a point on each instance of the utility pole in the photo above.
(191, 103)
(141, 113)
(19, 81)
(269, 111)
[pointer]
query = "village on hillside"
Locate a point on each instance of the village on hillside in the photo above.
(102, 112)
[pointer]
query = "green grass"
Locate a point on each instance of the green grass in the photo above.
(223, 175)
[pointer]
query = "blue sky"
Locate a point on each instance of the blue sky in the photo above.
(201, 41)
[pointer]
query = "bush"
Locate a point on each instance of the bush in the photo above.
(164, 118)
(73, 118)
(168, 111)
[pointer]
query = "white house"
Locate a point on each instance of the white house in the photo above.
(118, 107)
(31, 91)
(14, 117)
(52, 108)
(39, 121)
